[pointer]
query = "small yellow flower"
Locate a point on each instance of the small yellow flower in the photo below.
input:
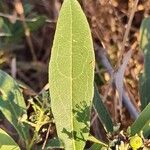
(136, 142)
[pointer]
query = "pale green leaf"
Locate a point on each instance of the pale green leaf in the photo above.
(6, 142)
(12, 104)
(145, 77)
(142, 120)
(71, 76)
(96, 141)
(102, 112)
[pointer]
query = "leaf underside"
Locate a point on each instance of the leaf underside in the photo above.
(71, 76)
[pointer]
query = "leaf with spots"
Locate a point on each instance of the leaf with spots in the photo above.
(12, 104)
(71, 76)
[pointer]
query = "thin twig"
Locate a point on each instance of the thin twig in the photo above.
(46, 138)
(94, 118)
(8, 16)
(101, 56)
(16, 18)
(127, 32)
(13, 67)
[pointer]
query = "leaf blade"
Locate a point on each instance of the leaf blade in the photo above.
(96, 141)
(141, 121)
(102, 111)
(95, 147)
(12, 104)
(6, 142)
(71, 76)
(54, 143)
(144, 82)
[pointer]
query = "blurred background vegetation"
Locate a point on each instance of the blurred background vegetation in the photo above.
(27, 30)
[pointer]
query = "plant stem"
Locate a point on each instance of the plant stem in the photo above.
(48, 131)
(37, 127)
(127, 33)
(101, 56)
(32, 141)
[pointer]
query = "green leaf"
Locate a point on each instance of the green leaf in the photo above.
(144, 82)
(17, 29)
(12, 104)
(1, 22)
(4, 28)
(27, 8)
(54, 143)
(95, 140)
(142, 121)
(102, 111)
(96, 147)
(71, 76)
(146, 130)
(6, 142)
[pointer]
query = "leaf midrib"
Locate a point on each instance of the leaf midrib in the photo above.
(72, 119)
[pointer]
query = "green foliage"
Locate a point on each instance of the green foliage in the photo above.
(54, 143)
(71, 81)
(96, 147)
(17, 30)
(145, 77)
(71, 76)
(12, 29)
(27, 7)
(97, 143)
(142, 123)
(6, 142)
(12, 104)
(102, 111)
(4, 28)
(40, 116)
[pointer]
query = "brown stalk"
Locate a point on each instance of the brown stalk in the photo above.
(127, 33)
(20, 11)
